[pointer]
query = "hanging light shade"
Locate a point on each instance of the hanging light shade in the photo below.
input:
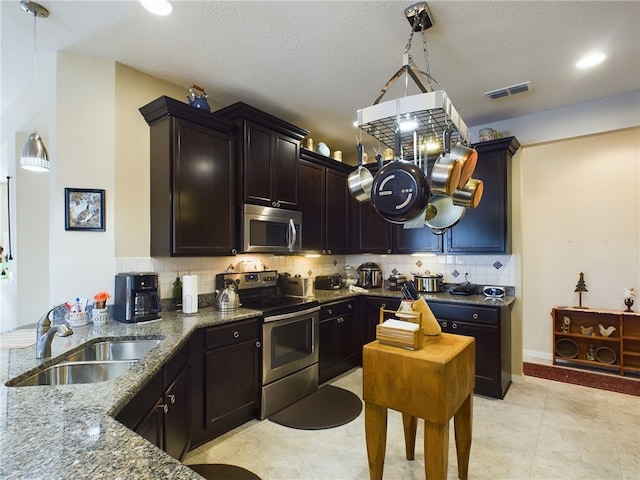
(34, 156)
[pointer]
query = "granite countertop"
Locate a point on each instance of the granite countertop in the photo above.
(60, 432)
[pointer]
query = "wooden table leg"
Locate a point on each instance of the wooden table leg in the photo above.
(436, 450)
(463, 421)
(375, 427)
(410, 424)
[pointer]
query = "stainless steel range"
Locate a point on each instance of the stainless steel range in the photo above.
(290, 336)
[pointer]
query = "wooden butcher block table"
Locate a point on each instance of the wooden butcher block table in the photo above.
(434, 383)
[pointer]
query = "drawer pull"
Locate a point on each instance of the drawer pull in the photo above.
(454, 325)
(349, 306)
(172, 398)
(475, 316)
(164, 407)
(236, 334)
(444, 324)
(258, 344)
(329, 311)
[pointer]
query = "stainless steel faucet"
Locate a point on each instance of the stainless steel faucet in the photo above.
(45, 333)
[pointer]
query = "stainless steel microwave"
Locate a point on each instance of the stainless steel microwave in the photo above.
(271, 230)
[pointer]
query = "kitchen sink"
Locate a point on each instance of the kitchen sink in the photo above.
(114, 350)
(76, 373)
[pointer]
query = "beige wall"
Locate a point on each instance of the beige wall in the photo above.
(579, 212)
(133, 89)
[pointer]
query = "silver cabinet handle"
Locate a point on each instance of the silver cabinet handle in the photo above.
(236, 334)
(329, 311)
(454, 325)
(172, 398)
(164, 407)
(258, 344)
(475, 316)
(444, 324)
(349, 306)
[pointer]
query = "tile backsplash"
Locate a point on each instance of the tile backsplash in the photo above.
(479, 269)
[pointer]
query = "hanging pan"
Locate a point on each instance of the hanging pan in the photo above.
(445, 174)
(441, 213)
(400, 190)
(468, 158)
(360, 179)
(470, 194)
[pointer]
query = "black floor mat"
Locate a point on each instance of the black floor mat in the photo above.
(221, 471)
(327, 407)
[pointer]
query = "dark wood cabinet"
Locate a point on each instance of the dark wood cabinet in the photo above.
(338, 339)
(230, 378)
(267, 153)
(491, 327)
(485, 229)
(161, 410)
(323, 199)
(416, 240)
(192, 174)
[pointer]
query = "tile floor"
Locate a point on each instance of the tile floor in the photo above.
(543, 430)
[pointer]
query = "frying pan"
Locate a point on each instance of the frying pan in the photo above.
(468, 157)
(400, 190)
(360, 179)
(441, 213)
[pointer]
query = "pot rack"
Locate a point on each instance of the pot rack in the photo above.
(432, 108)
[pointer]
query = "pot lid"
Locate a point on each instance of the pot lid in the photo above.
(428, 274)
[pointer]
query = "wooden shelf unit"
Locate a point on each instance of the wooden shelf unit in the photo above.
(624, 341)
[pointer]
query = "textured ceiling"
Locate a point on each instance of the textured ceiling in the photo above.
(315, 63)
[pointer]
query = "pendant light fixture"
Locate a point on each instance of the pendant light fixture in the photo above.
(423, 113)
(34, 154)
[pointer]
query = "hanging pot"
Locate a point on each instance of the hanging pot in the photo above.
(468, 158)
(470, 194)
(441, 213)
(445, 175)
(360, 179)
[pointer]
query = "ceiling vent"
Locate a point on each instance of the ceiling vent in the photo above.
(512, 90)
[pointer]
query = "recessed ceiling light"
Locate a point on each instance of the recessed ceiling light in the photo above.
(591, 60)
(157, 7)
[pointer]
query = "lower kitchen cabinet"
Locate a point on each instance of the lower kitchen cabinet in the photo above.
(491, 327)
(338, 338)
(161, 411)
(228, 382)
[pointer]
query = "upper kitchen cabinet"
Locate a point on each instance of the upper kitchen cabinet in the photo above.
(267, 153)
(323, 199)
(192, 175)
(485, 229)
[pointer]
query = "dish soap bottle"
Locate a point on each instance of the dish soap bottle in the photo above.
(177, 294)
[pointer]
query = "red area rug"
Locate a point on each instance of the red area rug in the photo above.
(602, 381)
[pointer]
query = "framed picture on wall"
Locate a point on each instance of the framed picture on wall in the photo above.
(84, 209)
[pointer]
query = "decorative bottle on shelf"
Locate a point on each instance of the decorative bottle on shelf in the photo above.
(177, 294)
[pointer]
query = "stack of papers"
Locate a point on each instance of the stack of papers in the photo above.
(400, 324)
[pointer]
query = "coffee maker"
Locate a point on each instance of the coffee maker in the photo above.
(136, 297)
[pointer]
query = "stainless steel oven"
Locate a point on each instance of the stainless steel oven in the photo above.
(271, 230)
(289, 358)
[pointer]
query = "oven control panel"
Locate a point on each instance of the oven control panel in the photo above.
(247, 280)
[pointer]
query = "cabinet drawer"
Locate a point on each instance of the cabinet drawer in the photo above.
(337, 309)
(232, 333)
(466, 313)
(375, 303)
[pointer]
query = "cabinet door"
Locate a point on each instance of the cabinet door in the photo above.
(178, 415)
(416, 240)
(371, 316)
(347, 349)
(374, 234)
(151, 425)
(337, 207)
(328, 349)
(258, 152)
(488, 354)
(202, 192)
(231, 384)
(284, 172)
(484, 229)
(311, 190)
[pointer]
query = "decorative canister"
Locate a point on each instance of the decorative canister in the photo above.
(309, 145)
(99, 316)
(337, 155)
(488, 134)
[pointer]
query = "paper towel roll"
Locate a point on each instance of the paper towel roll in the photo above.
(190, 293)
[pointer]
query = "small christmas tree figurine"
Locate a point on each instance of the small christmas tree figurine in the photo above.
(581, 287)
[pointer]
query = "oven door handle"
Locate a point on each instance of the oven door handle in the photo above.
(292, 235)
(287, 316)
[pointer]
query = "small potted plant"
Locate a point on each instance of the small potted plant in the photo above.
(99, 312)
